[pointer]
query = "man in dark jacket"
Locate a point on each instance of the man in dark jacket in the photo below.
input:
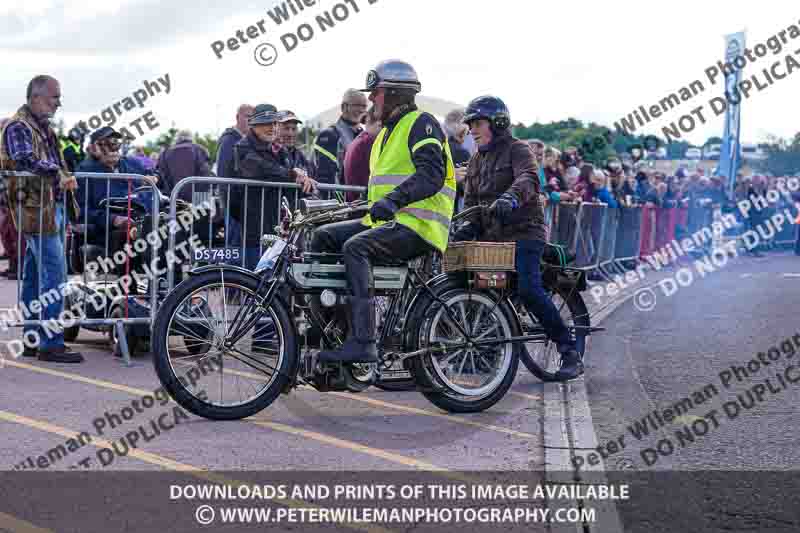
(504, 174)
(332, 143)
(260, 158)
(229, 138)
(184, 159)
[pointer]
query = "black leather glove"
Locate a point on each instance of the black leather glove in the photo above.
(467, 232)
(383, 209)
(504, 206)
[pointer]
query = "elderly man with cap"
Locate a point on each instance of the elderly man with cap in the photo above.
(259, 157)
(104, 156)
(287, 138)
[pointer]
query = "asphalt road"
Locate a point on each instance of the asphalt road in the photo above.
(43, 405)
(684, 347)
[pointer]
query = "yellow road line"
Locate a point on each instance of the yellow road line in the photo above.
(78, 377)
(282, 428)
(15, 525)
(534, 397)
(425, 412)
(334, 441)
(152, 459)
(96, 442)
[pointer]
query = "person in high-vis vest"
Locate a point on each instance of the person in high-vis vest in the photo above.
(411, 192)
(72, 149)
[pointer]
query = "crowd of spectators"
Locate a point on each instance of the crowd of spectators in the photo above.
(565, 177)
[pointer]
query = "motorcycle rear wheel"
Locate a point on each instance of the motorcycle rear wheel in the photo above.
(473, 379)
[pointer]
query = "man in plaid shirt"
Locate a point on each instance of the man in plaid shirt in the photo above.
(28, 143)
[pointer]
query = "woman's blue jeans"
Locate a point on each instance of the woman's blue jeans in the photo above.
(533, 295)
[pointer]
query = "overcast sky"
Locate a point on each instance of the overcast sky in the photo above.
(595, 61)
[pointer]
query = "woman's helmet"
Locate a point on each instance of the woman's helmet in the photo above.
(490, 108)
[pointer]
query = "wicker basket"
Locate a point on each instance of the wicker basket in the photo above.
(472, 256)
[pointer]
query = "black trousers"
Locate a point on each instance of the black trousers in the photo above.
(388, 245)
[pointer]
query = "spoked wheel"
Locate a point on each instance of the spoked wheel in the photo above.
(198, 339)
(214, 355)
(541, 357)
(466, 380)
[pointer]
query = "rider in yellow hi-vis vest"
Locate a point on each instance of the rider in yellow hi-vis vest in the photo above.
(390, 165)
(412, 191)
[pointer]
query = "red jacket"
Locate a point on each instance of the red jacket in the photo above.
(356, 163)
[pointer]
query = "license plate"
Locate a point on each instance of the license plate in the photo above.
(217, 255)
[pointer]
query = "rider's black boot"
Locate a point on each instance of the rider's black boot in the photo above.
(360, 345)
(571, 365)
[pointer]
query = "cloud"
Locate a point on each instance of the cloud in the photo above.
(133, 25)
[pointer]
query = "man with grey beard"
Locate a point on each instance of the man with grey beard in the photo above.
(28, 143)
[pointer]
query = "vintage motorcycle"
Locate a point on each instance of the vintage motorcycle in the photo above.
(457, 339)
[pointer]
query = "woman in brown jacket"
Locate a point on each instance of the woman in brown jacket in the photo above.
(503, 173)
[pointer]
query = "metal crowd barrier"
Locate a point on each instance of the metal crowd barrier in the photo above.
(608, 245)
(629, 230)
(591, 232)
(80, 289)
(601, 238)
(228, 229)
(787, 236)
(564, 225)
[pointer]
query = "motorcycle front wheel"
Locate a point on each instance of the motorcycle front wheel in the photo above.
(237, 364)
